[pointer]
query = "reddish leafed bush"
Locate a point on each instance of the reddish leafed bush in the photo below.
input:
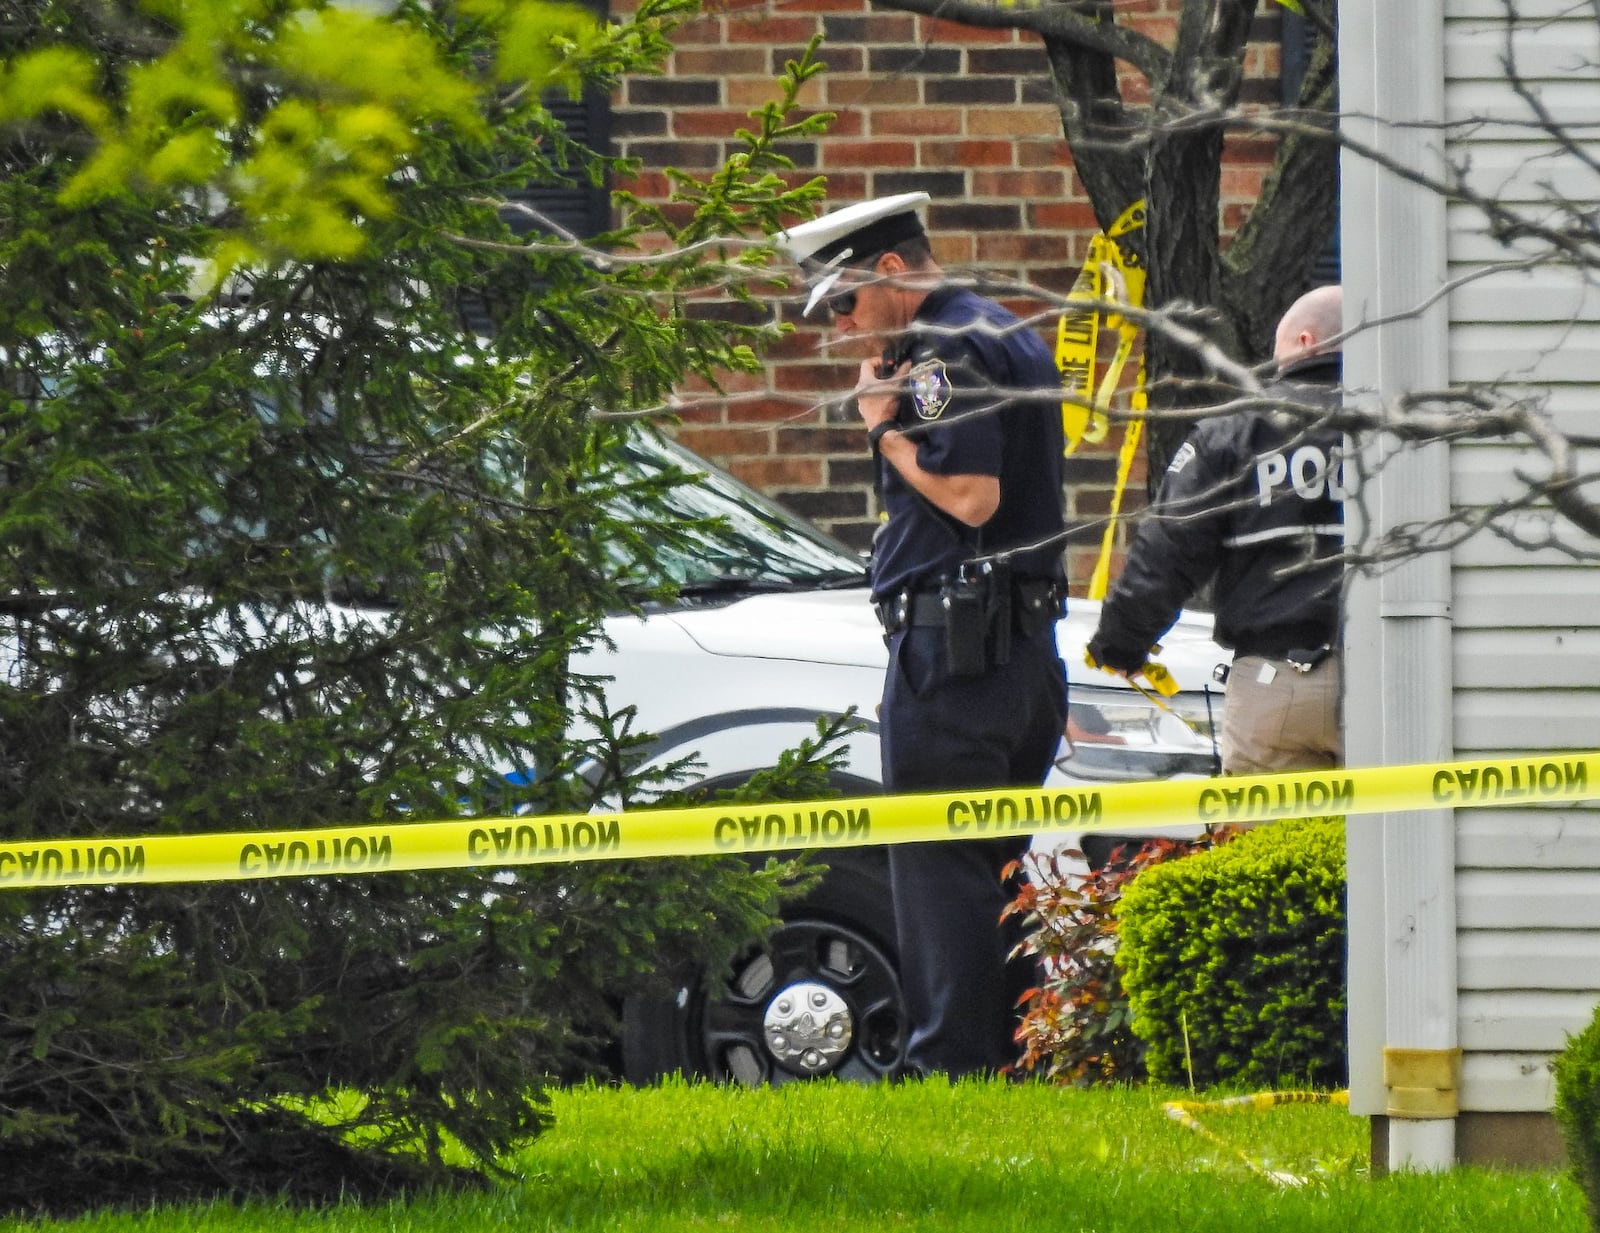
(1076, 1026)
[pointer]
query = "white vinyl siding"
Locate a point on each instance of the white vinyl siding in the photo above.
(1529, 839)
(1526, 591)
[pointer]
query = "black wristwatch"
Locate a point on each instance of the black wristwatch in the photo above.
(875, 433)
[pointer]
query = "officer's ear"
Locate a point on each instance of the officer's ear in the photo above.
(889, 264)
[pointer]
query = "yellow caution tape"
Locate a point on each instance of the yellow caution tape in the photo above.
(1162, 685)
(707, 830)
(1160, 680)
(1108, 274)
(1077, 348)
(1132, 276)
(1100, 580)
(1184, 1113)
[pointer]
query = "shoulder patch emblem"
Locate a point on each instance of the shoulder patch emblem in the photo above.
(929, 384)
(1181, 459)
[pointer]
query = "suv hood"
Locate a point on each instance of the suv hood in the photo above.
(840, 627)
(820, 627)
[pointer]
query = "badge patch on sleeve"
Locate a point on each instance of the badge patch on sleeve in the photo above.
(929, 384)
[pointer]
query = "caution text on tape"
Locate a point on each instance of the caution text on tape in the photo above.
(706, 830)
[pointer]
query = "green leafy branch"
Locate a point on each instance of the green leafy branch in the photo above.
(265, 106)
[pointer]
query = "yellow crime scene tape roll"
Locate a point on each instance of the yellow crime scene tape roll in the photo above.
(721, 829)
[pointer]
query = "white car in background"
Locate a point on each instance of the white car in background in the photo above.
(773, 628)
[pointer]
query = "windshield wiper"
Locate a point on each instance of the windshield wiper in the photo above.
(842, 581)
(740, 584)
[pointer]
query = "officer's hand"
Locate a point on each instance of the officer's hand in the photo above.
(1105, 653)
(878, 398)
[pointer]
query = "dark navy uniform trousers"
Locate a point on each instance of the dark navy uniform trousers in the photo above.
(938, 733)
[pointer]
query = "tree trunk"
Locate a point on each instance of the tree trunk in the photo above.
(1183, 224)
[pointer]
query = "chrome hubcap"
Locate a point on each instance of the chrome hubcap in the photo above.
(808, 1027)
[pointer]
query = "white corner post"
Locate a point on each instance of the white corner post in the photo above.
(1404, 1059)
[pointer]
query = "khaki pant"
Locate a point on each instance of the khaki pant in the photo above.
(1281, 719)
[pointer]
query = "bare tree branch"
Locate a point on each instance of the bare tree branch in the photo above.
(1077, 21)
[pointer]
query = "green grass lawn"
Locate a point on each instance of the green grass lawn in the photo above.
(827, 1158)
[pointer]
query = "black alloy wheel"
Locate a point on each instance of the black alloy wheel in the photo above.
(820, 997)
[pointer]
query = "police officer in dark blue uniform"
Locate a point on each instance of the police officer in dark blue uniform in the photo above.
(962, 409)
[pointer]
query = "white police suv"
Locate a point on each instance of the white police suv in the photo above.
(772, 629)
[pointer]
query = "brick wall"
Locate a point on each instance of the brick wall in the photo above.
(966, 115)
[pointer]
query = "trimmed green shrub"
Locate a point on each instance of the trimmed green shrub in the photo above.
(1233, 959)
(1578, 1110)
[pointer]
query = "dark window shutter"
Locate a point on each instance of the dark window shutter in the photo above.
(1299, 40)
(579, 209)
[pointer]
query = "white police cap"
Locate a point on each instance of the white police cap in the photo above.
(824, 245)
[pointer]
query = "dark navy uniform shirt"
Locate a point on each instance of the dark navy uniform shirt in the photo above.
(982, 398)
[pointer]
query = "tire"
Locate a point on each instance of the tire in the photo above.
(821, 997)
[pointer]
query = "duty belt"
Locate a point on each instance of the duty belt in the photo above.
(910, 608)
(1032, 599)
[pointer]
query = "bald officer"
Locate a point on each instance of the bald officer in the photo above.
(1255, 501)
(961, 405)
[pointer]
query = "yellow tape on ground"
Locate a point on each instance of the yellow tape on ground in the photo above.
(1184, 1113)
(708, 830)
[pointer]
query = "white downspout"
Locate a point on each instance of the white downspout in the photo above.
(1398, 688)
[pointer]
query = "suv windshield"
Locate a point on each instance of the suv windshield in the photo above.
(745, 542)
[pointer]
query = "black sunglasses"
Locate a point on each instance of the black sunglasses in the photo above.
(843, 303)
